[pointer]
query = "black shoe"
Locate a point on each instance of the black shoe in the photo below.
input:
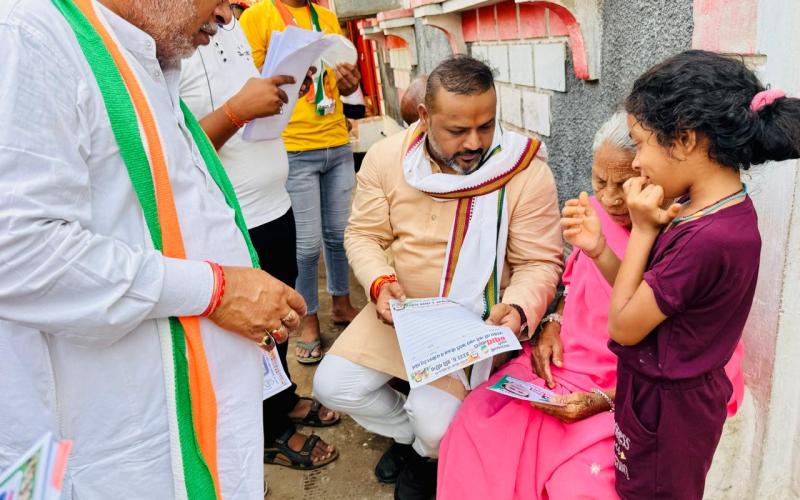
(417, 481)
(393, 461)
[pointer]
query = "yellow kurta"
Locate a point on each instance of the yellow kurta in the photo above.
(389, 214)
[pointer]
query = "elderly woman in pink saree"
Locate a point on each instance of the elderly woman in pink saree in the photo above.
(503, 448)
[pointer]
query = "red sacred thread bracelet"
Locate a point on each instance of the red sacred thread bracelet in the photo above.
(219, 289)
(375, 289)
(238, 122)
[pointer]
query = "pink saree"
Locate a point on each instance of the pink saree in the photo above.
(499, 447)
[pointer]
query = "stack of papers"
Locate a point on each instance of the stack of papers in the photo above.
(438, 336)
(291, 52)
(39, 473)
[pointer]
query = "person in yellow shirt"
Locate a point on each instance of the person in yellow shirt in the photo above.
(321, 171)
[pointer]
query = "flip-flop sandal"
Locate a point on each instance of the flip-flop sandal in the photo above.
(282, 454)
(312, 417)
(310, 346)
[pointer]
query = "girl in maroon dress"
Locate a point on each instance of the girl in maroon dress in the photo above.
(683, 291)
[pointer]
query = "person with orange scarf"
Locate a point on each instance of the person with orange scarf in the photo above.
(131, 306)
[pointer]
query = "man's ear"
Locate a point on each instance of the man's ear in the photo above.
(424, 117)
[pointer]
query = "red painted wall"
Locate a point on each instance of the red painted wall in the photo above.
(487, 26)
(532, 21)
(469, 25)
(507, 28)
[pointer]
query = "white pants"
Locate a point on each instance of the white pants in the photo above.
(363, 393)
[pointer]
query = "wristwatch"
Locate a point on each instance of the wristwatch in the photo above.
(524, 319)
(552, 317)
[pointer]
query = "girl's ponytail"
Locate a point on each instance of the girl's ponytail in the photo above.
(777, 123)
(722, 99)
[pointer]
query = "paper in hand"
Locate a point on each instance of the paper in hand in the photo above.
(438, 336)
(291, 52)
(275, 378)
(519, 389)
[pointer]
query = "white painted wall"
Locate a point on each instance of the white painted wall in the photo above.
(527, 72)
(759, 456)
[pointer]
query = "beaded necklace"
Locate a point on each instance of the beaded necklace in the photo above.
(711, 208)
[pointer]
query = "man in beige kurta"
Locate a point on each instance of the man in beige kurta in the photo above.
(396, 229)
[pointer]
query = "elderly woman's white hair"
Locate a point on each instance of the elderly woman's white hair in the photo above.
(615, 132)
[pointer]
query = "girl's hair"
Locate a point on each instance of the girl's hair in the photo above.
(711, 94)
(614, 132)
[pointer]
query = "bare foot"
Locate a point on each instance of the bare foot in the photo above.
(343, 310)
(309, 333)
(303, 406)
(322, 451)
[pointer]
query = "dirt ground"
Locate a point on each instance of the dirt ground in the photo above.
(351, 476)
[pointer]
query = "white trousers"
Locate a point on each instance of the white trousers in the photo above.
(363, 393)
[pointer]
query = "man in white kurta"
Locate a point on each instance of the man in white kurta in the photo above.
(83, 293)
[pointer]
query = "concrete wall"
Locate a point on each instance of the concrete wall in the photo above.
(347, 9)
(391, 98)
(432, 47)
(636, 35)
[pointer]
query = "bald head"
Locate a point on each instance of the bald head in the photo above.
(412, 98)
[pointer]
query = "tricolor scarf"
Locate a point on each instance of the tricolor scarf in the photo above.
(191, 401)
(477, 247)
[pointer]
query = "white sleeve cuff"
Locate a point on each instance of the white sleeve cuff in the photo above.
(187, 288)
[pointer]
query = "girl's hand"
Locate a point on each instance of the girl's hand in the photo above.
(581, 226)
(644, 204)
(577, 406)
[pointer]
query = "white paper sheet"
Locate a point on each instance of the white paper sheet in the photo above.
(291, 52)
(341, 51)
(275, 379)
(438, 336)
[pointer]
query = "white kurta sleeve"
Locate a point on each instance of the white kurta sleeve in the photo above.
(56, 275)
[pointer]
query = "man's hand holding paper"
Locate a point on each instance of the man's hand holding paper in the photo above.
(438, 336)
(260, 97)
(347, 78)
(291, 52)
(505, 315)
(389, 291)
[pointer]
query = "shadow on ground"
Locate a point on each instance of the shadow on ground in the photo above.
(351, 476)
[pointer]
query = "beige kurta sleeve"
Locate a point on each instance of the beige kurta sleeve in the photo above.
(534, 250)
(369, 230)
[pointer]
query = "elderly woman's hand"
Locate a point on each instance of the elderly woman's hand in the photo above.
(577, 406)
(581, 226)
(547, 349)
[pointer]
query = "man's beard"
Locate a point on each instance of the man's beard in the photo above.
(171, 24)
(451, 161)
